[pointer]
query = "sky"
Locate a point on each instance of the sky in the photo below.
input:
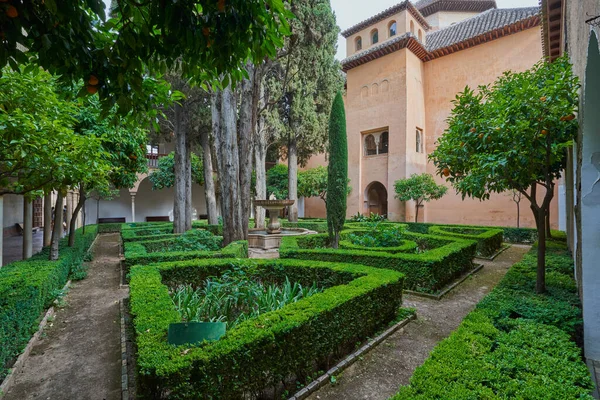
(351, 12)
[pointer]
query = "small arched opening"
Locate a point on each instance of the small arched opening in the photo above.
(412, 26)
(392, 29)
(374, 36)
(358, 44)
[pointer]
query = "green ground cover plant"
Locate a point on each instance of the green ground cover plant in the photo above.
(235, 297)
(516, 344)
(28, 287)
(261, 352)
(489, 240)
(389, 239)
(443, 258)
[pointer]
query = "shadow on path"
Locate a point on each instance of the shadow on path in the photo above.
(391, 364)
(79, 357)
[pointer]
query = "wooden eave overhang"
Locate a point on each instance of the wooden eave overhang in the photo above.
(405, 5)
(552, 27)
(457, 5)
(409, 41)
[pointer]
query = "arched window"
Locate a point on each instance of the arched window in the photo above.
(412, 27)
(419, 140)
(370, 145)
(383, 143)
(374, 36)
(358, 44)
(420, 36)
(392, 29)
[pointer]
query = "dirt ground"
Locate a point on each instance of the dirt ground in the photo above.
(79, 356)
(384, 369)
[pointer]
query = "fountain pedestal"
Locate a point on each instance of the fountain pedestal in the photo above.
(274, 207)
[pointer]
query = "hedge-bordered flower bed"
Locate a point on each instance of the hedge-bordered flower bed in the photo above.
(516, 344)
(264, 351)
(489, 241)
(28, 287)
(407, 246)
(426, 272)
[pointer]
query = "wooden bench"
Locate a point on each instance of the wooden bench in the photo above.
(21, 229)
(114, 220)
(162, 218)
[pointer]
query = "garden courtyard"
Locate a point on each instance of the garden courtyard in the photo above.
(199, 201)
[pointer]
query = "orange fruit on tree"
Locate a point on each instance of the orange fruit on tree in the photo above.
(446, 171)
(12, 12)
(543, 98)
(93, 80)
(544, 132)
(472, 130)
(568, 117)
(221, 5)
(91, 89)
(480, 136)
(205, 31)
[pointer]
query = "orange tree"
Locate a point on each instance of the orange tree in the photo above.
(513, 135)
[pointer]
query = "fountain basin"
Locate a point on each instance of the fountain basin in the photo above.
(262, 239)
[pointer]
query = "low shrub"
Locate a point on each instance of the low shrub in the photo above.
(28, 287)
(429, 271)
(261, 352)
(516, 344)
(316, 225)
(489, 241)
(109, 228)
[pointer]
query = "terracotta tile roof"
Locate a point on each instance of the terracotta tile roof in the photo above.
(428, 7)
(482, 28)
(405, 5)
(478, 25)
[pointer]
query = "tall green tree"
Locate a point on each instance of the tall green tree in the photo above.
(419, 188)
(513, 135)
(301, 84)
(337, 176)
(209, 41)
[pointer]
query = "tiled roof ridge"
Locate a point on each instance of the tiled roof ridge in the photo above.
(429, 7)
(455, 37)
(404, 5)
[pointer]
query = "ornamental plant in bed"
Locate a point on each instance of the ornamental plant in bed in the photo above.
(194, 240)
(235, 297)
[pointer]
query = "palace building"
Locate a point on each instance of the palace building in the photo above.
(404, 66)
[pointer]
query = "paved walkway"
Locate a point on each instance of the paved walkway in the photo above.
(391, 364)
(79, 357)
(13, 247)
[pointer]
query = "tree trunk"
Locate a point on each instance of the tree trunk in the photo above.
(417, 211)
(540, 285)
(293, 178)
(47, 219)
(260, 157)
(56, 232)
(335, 241)
(209, 183)
(182, 205)
(223, 106)
(78, 207)
(518, 215)
(27, 228)
(548, 228)
(248, 118)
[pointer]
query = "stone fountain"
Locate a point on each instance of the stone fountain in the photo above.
(264, 243)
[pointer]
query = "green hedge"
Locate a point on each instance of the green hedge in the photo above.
(426, 272)
(312, 225)
(516, 344)
(28, 287)
(109, 228)
(149, 252)
(261, 352)
(407, 246)
(489, 241)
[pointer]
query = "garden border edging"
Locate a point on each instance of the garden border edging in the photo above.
(448, 288)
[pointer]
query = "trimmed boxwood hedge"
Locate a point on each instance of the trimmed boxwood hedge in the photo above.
(149, 252)
(488, 240)
(426, 272)
(407, 246)
(516, 344)
(109, 228)
(28, 287)
(263, 351)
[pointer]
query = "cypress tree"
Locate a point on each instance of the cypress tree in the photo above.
(337, 171)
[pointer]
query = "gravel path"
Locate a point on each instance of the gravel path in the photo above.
(79, 357)
(384, 369)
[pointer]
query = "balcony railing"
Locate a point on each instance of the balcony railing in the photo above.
(153, 159)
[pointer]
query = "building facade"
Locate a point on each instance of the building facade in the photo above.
(404, 67)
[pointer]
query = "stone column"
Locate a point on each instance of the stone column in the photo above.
(69, 201)
(133, 206)
(27, 229)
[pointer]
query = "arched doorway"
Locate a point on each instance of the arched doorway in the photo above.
(376, 199)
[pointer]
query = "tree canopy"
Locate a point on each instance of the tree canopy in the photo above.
(513, 134)
(164, 175)
(419, 188)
